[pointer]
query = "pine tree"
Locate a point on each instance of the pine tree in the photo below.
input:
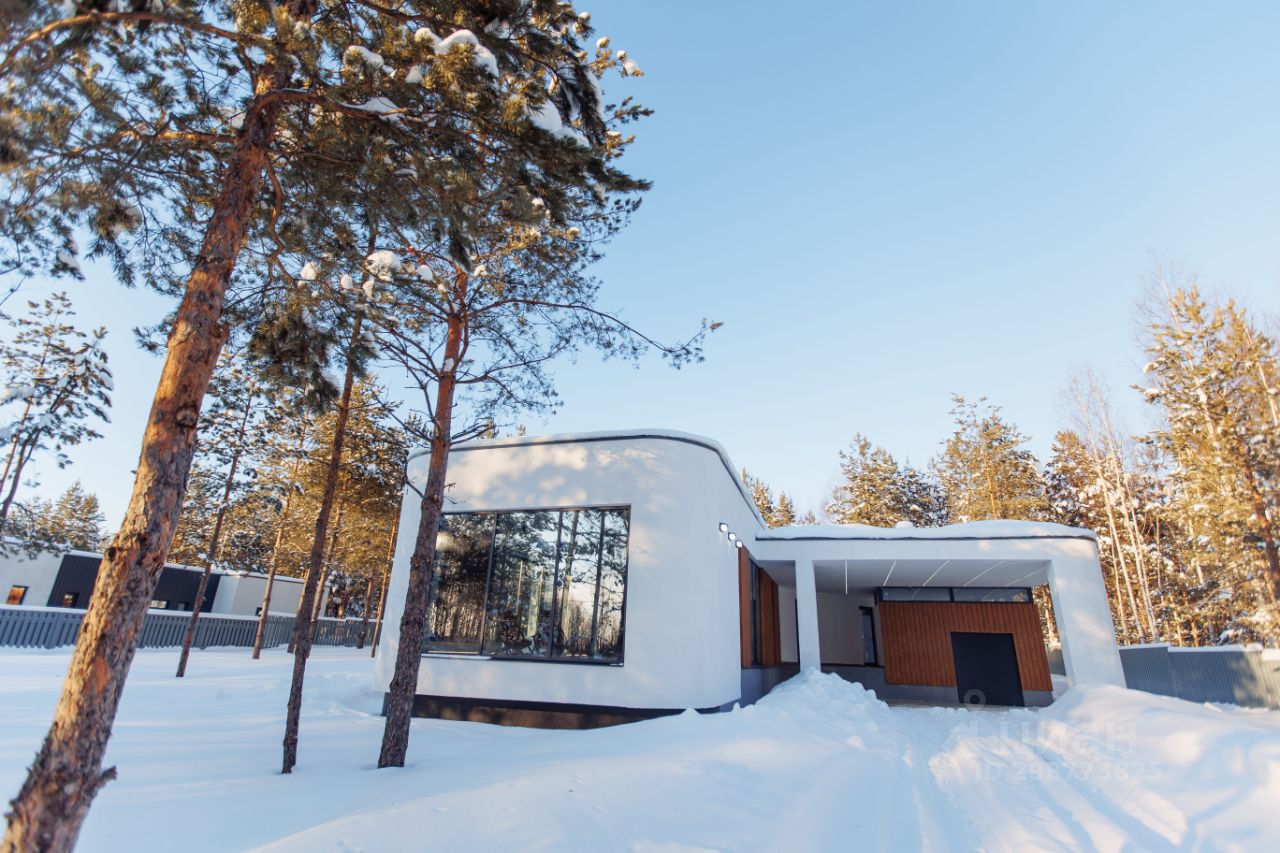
(985, 471)
(73, 521)
(762, 497)
(874, 489)
(159, 128)
(866, 491)
(57, 386)
(1213, 374)
(785, 514)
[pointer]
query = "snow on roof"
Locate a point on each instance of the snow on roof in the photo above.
(967, 530)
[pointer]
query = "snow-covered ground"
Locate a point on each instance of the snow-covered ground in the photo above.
(817, 765)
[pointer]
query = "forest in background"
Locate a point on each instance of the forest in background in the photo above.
(1185, 512)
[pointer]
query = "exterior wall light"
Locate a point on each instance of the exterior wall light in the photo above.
(738, 543)
(724, 527)
(733, 537)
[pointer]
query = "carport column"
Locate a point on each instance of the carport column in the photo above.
(807, 615)
(1083, 614)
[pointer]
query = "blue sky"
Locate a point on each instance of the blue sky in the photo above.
(886, 203)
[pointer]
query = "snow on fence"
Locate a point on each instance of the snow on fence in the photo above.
(1233, 674)
(51, 627)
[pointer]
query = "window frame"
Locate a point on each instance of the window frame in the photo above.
(481, 653)
(22, 596)
(951, 594)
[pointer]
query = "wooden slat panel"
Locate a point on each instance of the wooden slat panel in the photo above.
(770, 635)
(917, 639)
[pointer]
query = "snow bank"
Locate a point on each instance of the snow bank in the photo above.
(818, 764)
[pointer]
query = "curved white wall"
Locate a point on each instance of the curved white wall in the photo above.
(681, 615)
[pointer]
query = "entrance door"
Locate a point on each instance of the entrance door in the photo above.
(986, 669)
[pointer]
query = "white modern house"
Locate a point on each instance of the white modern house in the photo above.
(598, 578)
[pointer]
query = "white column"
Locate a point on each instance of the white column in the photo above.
(1083, 614)
(807, 615)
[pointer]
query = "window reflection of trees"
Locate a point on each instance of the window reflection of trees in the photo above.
(456, 617)
(556, 584)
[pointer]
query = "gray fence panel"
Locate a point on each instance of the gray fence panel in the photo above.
(25, 627)
(1148, 668)
(1247, 677)
(1217, 676)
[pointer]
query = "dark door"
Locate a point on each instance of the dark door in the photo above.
(986, 669)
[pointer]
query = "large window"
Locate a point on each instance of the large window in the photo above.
(545, 584)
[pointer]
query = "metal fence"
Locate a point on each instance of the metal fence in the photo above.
(49, 628)
(1233, 674)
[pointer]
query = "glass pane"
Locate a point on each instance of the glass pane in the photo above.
(613, 586)
(980, 593)
(455, 619)
(868, 636)
(915, 593)
(580, 554)
(522, 585)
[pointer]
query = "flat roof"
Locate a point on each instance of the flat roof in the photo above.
(1002, 529)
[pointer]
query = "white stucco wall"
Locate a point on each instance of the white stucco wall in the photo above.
(35, 573)
(681, 614)
(242, 594)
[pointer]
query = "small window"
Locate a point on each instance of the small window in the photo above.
(915, 593)
(16, 595)
(69, 599)
(158, 604)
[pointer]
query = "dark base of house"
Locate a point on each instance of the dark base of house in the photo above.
(537, 715)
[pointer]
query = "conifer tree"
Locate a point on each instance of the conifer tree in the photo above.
(1214, 374)
(762, 497)
(785, 514)
(230, 440)
(874, 489)
(985, 471)
(74, 520)
(157, 129)
(56, 387)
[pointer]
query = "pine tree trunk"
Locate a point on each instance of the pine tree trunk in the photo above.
(275, 561)
(302, 641)
(364, 614)
(386, 580)
(214, 541)
(313, 625)
(67, 772)
(413, 623)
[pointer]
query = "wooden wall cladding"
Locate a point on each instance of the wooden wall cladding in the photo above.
(917, 639)
(765, 617)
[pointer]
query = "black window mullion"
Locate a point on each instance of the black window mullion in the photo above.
(555, 587)
(594, 648)
(488, 581)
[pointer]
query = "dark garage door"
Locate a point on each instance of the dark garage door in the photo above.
(986, 669)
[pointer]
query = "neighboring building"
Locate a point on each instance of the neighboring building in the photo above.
(67, 580)
(599, 578)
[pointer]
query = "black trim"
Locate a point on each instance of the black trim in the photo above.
(543, 715)
(444, 653)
